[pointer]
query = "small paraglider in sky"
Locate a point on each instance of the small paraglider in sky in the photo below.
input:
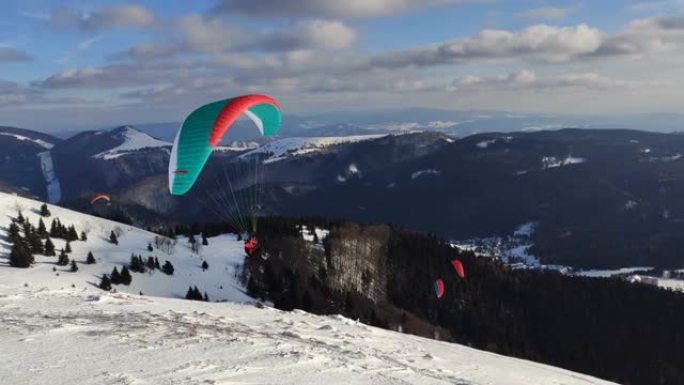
(458, 266)
(439, 288)
(101, 197)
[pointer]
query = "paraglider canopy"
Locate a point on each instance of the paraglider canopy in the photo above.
(100, 198)
(439, 288)
(204, 128)
(458, 266)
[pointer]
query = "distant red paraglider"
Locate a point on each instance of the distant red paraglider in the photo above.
(100, 197)
(458, 266)
(439, 288)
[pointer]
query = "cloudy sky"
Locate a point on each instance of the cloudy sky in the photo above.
(82, 63)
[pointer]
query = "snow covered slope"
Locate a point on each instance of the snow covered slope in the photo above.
(87, 336)
(133, 140)
(40, 142)
(280, 149)
(223, 254)
(59, 328)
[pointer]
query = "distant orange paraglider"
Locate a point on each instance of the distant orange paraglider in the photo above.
(100, 197)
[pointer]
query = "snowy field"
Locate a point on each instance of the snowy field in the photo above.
(86, 336)
(59, 328)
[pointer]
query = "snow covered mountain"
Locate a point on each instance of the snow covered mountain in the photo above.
(132, 140)
(21, 154)
(293, 147)
(60, 328)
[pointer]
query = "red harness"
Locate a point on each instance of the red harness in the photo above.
(251, 246)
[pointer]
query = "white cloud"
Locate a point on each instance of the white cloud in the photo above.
(325, 34)
(539, 42)
(528, 80)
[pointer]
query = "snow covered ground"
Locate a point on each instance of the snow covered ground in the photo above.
(87, 336)
(224, 254)
(280, 149)
(59, 328)
(610, 273)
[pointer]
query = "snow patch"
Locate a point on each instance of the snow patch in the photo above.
(553, 162)
(39, 142)
(54, 190)
(308, 234)
(133, 140)
(420, 173)
(288, 147)
(613, 272)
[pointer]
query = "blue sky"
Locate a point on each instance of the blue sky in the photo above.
(81, 64)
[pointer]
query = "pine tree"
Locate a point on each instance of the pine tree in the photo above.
(44, 211)
(126, 276)
(20, 255)
(205, 241)
(49, 248)
(115, 277)
(205, 265)
(190, 294)
(42, 231)
(113, 239)
(63, 231)
(149, 247)
(168, 268)
(54, 228)
(150, 263)
(68, 247)
(72, 235)
(156, 263)
(198, 294)
(13, 233)
(28, 229)
(20, 217)
(74, 267)
(206, 297)
(90, 259)
(63, 259)
(141, 263)
(106, 283)
(84, 237)
(35, 243)
(134, 263)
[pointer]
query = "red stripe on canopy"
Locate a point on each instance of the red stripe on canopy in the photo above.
(232, 110)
